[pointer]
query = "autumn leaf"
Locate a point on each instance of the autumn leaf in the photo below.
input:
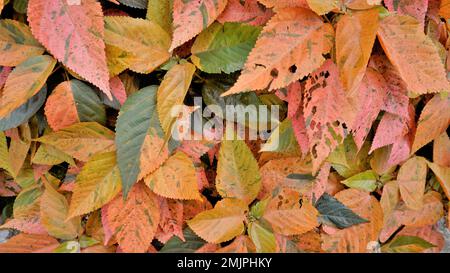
(72, 102)
(355, 36)
(287, 216)
(237, 172)
(411, 181)
(171, 93)
(132, 221)
(54, 212)
(139, 138)
(249, 12)
(192, 17)
(223, 48)
(176, 178)
(356, 238)
(17, 43)
(81, 140)
(24, 82)
(294, 57)
(403, 39)
(73, 33)
(433, 121)
(29, 243)
(137, 44)
(97, 184)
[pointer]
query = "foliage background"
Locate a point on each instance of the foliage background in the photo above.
(87, 163)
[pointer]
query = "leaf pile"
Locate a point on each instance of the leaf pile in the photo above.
(89, 161)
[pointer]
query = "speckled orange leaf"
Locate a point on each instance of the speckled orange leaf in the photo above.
(433, 121)
(355, 36)
(28, 243)
(356, 238)
(60, 108)
(17, 43)
(361, 4)
(293, 30)
(192, 17)
(249, 12)
(24, 82)
(415, 8)
(369, 99)
(411, 181)
(176, 178)
(133, 221)
(73, 32)
(171, 223)
(429, 214)
(442, 175)
(276, 172)
(287, 216)
(396, 100)
(222, 223)
(326, 109)
(404, 42)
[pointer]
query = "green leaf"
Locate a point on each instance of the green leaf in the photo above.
(24, 112)
(138, 119)
(347, 160)
(364, 181)
(224, 48)
(237, 172)
(139, 4)
(50, 155)
(282, 140)
(68, 247)
(191, 243)
(332, 210)
(407, 244)
(89, 106)
(262, 237)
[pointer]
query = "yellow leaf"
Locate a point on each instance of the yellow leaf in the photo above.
(263, 238)
(171, 94)
(322, 7)
(237, 172)
(49, 155)
(442, 175)
(54, 211)
(81, 140)
(176, 178)
(97, 184)
(144, 43)
(222, 223)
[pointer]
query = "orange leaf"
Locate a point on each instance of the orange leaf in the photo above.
(28, 243)
(73, 32)
(133, 221)
(301, 39)
(355, 36)
(411, 181)
(192, 17)
(356, 238)
(433, 121)
(286, 215)
(405, 43)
